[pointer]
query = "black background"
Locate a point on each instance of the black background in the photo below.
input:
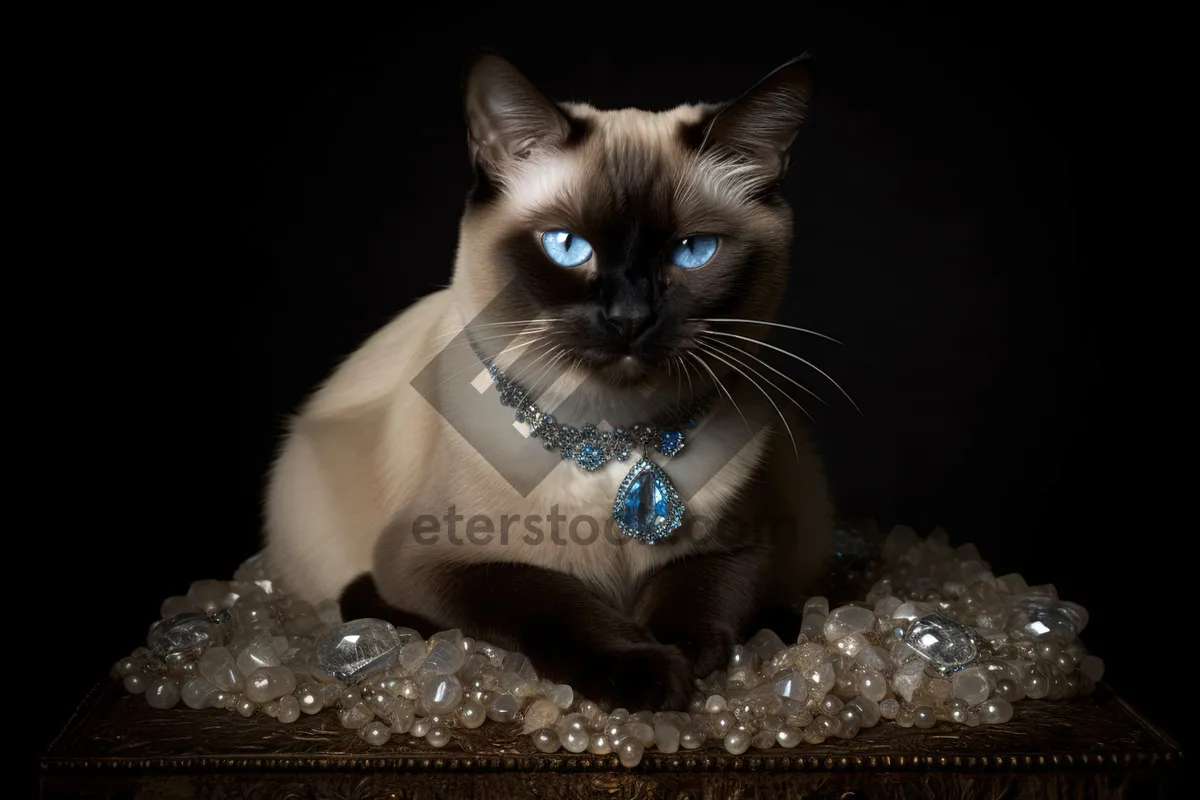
(945, 190)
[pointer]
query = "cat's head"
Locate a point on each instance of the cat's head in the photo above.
(623, 230)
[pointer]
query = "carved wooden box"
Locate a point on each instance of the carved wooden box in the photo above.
(117, 746)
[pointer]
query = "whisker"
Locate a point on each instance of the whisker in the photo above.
(798, 358)
(721, 387)
(783, 375)
(479, 366)
(767, 380)
(495, 325)
(782, 419)
(515, 376)
(688, 373)
(549, 367)
(768, 324)
(448, 345)
(678, 380)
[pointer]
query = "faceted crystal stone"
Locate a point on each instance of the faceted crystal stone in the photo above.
(270, 683)
(444, 658)
(647, 506)
(792, 685)
(847, 620)
(1037, 618)
(221, 670)
(184, 636)
(909, 679)
(259, 653)
(211, 596)
(972, 685)
(766, 643)
(875, 658)
(817, 605)
(359, 647)
(943, 643)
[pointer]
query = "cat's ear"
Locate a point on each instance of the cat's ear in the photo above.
(508, 118)
(762, 124)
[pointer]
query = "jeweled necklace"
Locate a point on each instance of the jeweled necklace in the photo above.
(647, 506)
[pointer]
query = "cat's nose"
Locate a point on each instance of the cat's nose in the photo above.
(628, 317)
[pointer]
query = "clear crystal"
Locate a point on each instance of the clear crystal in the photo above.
(184, 636)
(361, 646)
(945, 644)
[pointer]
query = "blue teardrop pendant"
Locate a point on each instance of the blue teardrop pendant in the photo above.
(647, 506)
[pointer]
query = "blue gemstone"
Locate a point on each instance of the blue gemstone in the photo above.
(647, 507)
(590, 457)
(549, 419)
(520, 416)
(670, 442)
(692, 422)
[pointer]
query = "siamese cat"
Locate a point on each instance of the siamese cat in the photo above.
(621, 262)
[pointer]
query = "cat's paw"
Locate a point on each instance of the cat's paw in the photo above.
(638, 677)
(707, 649)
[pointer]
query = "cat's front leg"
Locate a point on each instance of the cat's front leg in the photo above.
(702, 604)
(570, 634)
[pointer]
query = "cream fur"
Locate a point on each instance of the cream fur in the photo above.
(368, 453)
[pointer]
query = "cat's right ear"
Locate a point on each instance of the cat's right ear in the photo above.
(508, 118)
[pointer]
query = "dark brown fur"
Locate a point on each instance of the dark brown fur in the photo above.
(683, 617)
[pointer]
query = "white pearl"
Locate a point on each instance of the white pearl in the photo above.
(162, 693)
(438, 736)
(630, 752)
(471, 714)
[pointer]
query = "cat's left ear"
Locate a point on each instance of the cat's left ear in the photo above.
(508, 118)
(762, 124)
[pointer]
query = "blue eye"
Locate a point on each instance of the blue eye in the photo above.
(565, 248)
(694, 251)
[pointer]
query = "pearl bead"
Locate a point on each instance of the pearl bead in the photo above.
(376, 733)
(788, 736)
(162, 693)
(691, 739)
(438, 736)
(598, 745)
(630, 752)
(576, 741)
(1037, 686)
(546, 740)
(136, 683)
(737, 742)
(923, 717)
(309, 699)
(471, 714)
(850, 716)
(289, 709)
(996, 711)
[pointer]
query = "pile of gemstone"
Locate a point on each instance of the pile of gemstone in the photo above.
(937, 638)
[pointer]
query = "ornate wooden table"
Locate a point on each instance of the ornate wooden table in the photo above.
(117, 746)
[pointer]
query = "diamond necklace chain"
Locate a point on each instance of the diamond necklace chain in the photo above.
(587, 445)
